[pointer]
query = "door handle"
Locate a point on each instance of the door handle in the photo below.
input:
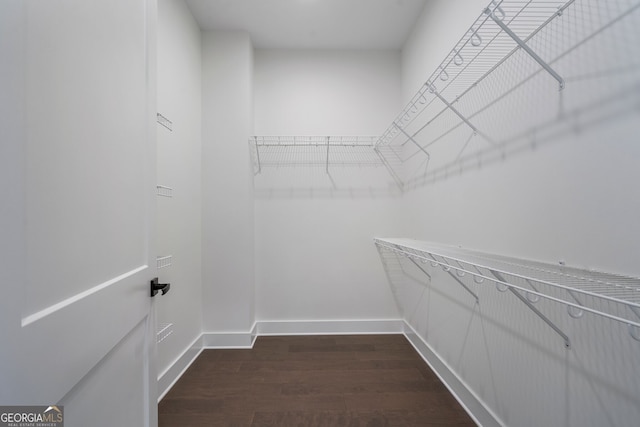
(155, 287)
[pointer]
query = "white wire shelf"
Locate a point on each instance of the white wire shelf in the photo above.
(313, 151)
(612, 296)
(526, 72)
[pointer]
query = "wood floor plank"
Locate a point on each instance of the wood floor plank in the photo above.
(358, 380)
(352, 388)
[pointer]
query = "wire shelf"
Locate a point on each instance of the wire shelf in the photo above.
(525, 72)
(613, 296)
(313, 151)
(293, 140)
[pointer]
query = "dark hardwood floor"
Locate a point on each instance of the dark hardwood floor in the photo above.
(332, 381)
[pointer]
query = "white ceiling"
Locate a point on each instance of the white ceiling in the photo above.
(313, 24)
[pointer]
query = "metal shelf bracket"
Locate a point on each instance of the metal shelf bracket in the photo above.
(255, 140)
(448, 270)
(634, 331)
(522, 44)
(412, 140)
(567, 342)
(450, 106)
(327, 165)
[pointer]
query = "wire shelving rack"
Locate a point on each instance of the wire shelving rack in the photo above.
(581, 291)
(525, 72)
(313, 151)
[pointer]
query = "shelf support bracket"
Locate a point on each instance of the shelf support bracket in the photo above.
(257, 155)
(327, 165)
(420, 267)
(460, 282)
(634, 331)
(552, 325)
(452, 108)
(413, 140)
(386, 164)
(524, 46)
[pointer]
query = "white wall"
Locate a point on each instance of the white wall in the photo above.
(436, 32)
(12, 163)
(315, 259)
(179, 167)
(325, 92)
(227, 204)
(572, 199)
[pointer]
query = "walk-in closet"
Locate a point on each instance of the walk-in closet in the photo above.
(338, 212)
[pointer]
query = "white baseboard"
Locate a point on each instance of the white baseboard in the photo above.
(168, 378)
(230, 339)
(300, 327)
(472, 403)
(330, 327)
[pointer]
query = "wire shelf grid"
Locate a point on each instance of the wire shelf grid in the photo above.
(313, 151)
(522, 67)
(526, 72)
(613, 296)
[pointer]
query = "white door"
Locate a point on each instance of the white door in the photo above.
(77, 168)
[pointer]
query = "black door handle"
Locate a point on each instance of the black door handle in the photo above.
(155, 287)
